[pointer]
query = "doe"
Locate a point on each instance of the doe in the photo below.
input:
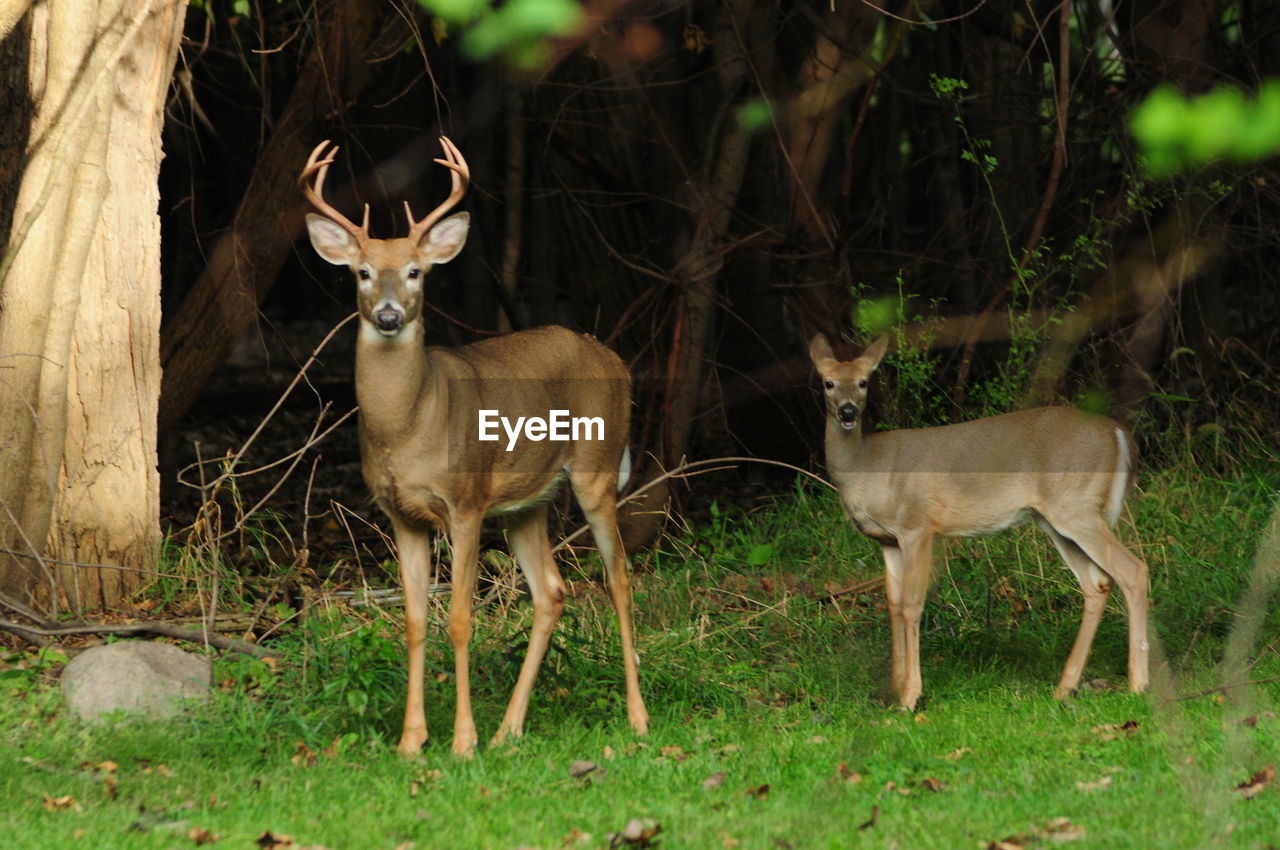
(1069, 469)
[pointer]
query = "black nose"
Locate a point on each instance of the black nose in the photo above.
(388, 319)
(848, 413)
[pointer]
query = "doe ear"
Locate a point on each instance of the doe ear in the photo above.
(875, 352)
(820, 350)
(442, 243)
(331, 241)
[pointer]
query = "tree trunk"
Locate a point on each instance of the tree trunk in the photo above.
(698, 270)
(80, 305)
(224, 301)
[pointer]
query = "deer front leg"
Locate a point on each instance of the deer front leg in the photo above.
(893, 600)
(917, 556)
(414, 549)
(465, 539)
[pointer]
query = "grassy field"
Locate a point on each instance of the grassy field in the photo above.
(771, 725)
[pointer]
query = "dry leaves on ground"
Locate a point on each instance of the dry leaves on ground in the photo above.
(1256, 783)
(639, 832)
(1111, 731)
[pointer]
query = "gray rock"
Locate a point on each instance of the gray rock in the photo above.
(135, 676)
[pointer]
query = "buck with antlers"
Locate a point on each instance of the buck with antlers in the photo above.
(1068, 469)
(430, 463)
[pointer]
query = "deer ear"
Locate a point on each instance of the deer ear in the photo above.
(331, 241)
(442, 243)
(820, 350)
(874, 352)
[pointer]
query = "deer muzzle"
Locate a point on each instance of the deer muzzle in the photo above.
(847, 415)
(388, 319)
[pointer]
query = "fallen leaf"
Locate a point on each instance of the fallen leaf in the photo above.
(893, 786)
(51, 803)
(932, 783)
(406, 845)
(871, 821)
(303, 756)
(574, 838)
(674, 752)
(1260, 780)
(728, 842)
(1062, 830)
(713, 781)
(1096, 785)
(270, 841)
(781, 844)
(639, 832)
(957, 754)
(758, 792)
(817, 739)
(582, 768)
(1111, 731)
(846, 774)
(1005, 844)
(200, 835)
(728, 748)
(608, 752)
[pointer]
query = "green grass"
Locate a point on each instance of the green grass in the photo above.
(747, 670)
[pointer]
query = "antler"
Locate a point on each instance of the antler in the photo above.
(461, 176)
(318, 164)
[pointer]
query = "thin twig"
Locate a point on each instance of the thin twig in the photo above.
(150, 627)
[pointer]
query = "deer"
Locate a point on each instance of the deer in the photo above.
(1068, 469)
(429, 465)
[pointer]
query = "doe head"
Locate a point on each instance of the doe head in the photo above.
(388, 272)
(844, 382)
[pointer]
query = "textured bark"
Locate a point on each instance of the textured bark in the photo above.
(243, 265)
(833, 71)
(80, 308)
(698, 270)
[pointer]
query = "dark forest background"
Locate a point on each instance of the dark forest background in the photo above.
(706, 185)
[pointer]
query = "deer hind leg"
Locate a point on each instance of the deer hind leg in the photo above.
(893, 596)
(1129, 572)
(1096, 586)
(527, 534)
(595, 494)
(917, 564)
(414, 548)
(464, 538)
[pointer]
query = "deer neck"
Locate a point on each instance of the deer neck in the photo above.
(392, 380)
(846, 449)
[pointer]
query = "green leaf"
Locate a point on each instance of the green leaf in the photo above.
(754, 114)
(760, 555)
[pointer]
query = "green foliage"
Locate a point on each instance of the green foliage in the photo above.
(755, 674)
(20, 672)
(1176, 133)
(755, 114)
(516, 30)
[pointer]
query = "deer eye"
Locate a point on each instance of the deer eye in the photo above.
(831, 385)
(862, 385)
(363, 274)
(414, 274)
